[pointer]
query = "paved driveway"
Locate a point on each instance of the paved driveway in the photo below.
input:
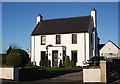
(77, 76)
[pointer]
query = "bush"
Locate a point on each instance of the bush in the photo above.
(42, 63)
(46, 61)
(17, 57)
(72, 63)
(49, 63)
(67, 61)
(60, 63)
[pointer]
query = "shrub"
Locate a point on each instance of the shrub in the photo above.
(60, 63)
(67, 61)
(17, 57)
(46, 61)
(72, 63)
(49, 63)
(42, 63)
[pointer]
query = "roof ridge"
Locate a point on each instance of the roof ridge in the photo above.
(66, 18)
(114, 44)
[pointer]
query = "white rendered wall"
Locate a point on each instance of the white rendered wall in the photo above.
(66, 40)
(7, 73)
(92, 75)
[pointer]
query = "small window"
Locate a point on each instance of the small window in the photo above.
(58, 39)
(43, 40)
(74, 38)
(110, 53)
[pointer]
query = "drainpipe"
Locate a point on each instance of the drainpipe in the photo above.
(34, 53)
(84, 62)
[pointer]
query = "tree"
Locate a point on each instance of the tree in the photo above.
(17, 57)
(12, 47)
(9, 50)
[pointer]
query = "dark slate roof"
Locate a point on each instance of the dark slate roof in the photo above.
(63, 25)
(113, 44)
(100, 46)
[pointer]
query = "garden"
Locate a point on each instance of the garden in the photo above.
(27, 71)
(38, 73)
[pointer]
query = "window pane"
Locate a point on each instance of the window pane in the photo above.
(74, 38)
(74, 55)
(58, 39)
(43, 40)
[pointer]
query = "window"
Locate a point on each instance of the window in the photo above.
(43, 58)
(58, 39)
(74, 55)
(74, 38)
(43, 55)
(43, 40)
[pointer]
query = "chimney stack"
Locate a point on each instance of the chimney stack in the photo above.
(93, 14)
(39, 18)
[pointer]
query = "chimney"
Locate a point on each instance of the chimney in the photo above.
(39, 18)
(93, 14)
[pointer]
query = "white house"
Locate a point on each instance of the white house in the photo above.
(75, 37)
(110, 50)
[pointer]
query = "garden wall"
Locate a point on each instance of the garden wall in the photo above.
(7, 73)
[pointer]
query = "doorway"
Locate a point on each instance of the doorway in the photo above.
(55, 58)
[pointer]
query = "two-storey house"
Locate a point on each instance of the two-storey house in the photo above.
(75, 37)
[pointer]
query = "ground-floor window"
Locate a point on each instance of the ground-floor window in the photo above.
(43, 55)
(44, 58)
(74, 55)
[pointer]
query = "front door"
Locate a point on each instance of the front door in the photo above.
(55, 58)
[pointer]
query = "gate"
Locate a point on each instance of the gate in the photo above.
(113, 70)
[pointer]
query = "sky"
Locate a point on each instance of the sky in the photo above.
(19, 19)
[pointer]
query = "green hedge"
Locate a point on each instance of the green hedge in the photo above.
(38, 73)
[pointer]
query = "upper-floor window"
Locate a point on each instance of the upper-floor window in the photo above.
(58, 39)
(74, 38)
(43, 40)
